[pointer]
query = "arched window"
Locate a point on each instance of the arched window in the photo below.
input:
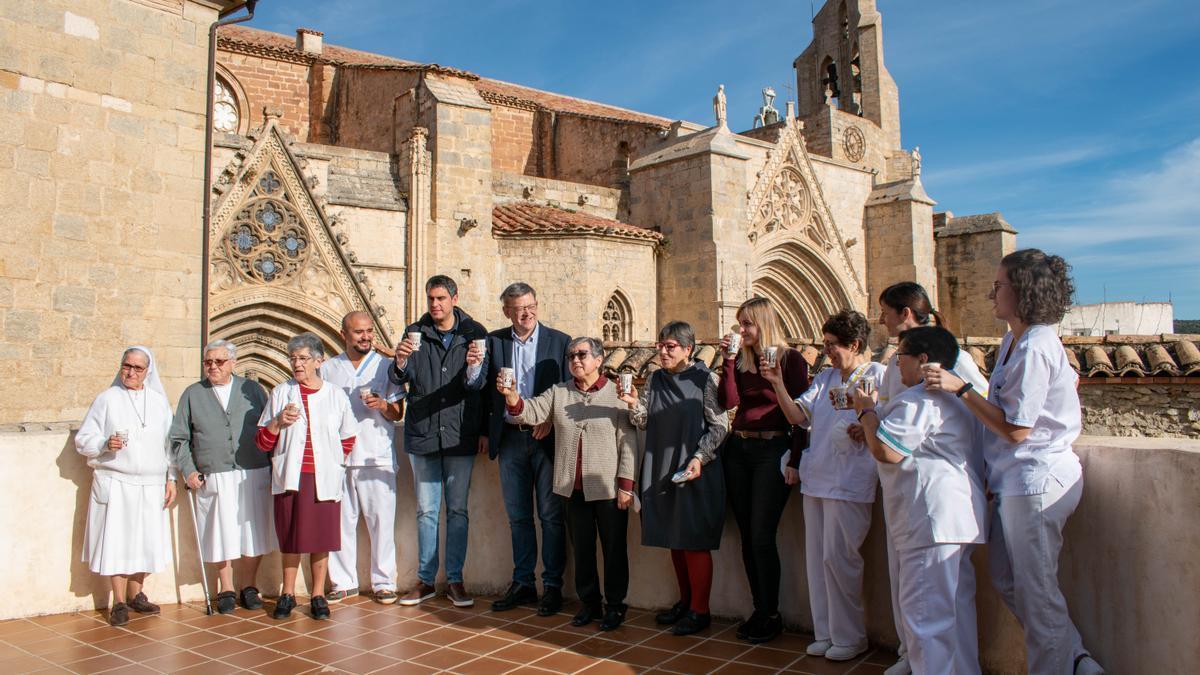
(227, 113)
(616, 323)
(828, 77)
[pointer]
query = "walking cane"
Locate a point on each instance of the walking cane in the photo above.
(200, 551)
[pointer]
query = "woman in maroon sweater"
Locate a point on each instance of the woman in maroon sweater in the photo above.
(754, 452)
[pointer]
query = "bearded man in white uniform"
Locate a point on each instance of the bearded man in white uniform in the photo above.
(370, 487)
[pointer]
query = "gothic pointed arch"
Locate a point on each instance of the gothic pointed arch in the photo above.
(800, 260)
(277, 267)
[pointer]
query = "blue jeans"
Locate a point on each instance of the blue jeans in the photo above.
(527, 472)
(433, 476)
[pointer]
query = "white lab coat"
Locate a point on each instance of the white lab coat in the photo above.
(834, 466)
(331, 419)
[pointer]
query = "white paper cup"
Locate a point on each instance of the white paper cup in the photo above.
(626, 383)
(771, 356)
(508, 377)
(926, 367)
(867, 386)
(735, 343)
(414, 338)
(481, 343)
(364, 392)
(123, 436)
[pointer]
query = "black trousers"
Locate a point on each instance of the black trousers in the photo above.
(586, 520)
(757, 495)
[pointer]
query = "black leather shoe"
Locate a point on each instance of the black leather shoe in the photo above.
(677, 612)
(142, 605)
(226, 602)
(551, 603)
(693, 622)
(613, 617)
(749, 626)
(516, 596)
(284, 606)
(768, 630)
(320, 607)
(250, 598)
(588, 614)
(118, 615)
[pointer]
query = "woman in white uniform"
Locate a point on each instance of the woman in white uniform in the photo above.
(1032, 411)
(837, 478)
(903, 306)
(935, 507)
(124, 438)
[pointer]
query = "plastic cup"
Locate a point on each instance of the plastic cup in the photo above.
(364, 392)
(840, 400)
(626, 383)
(508, 378)
(771, 356)
(481, 344)
(414, 339)
(735, 343)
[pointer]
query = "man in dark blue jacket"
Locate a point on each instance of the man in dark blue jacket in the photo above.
(443, 370)
(537, 355)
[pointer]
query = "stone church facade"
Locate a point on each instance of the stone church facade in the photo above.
(344, 179)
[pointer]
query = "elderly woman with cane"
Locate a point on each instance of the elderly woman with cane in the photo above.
(124, 438)
(309, 428)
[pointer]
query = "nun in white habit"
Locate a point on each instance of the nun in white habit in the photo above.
(124, 438)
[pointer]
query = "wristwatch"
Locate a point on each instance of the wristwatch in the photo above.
(964, 389)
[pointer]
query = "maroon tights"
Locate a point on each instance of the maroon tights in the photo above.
(694, 572)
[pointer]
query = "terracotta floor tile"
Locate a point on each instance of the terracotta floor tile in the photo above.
(644, 656)
(123, 642)
(869, 669)
(26, 663)
(564, 662)
(14, 626)
(631, 635)
(412, 628)
(482, 644)
(28, 632)
(517, 631)
(335, 632)
(329, 653)
(194, 640)
(236, 629)
(453, 616)
(643, 621)
(609, 668)
(149, 651)
(287, 666)
(726, 651)
(482, 622)
(378, 620)
(546, 621)
(406, 649)
(253, 657)
(692, 663)
(177, 660)
(97, 664)
(444, 658)
(881, 656)
(769, 657)
(530, 670)
(166, 629)
(795, 642)
(598, 648)
(265, 636)
(485, 665)
(206, 668)
(210, 622)
(76, 624)
(817, 665)
(523, 652)
(297, 644)
(50, 645)
(446, 636)
(8, 651)
(366, 662)
(558, 638)
(373, 640)
(671, 642)
(745, 669)
(224, 648)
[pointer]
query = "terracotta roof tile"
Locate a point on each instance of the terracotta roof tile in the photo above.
(518, 218)
(1167, 356)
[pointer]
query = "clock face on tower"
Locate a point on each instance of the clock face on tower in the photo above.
(225, 109)
(854, 144)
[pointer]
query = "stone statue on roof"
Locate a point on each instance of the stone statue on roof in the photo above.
(719, 106)
(767, 114)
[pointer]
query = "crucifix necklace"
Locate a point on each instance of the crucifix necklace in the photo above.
(142, 415)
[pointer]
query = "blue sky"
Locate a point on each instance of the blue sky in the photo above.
(1079, 120)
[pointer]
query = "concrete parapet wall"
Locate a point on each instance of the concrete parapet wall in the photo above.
(1130, 567)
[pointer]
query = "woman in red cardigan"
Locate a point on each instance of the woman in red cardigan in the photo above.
(760, 436)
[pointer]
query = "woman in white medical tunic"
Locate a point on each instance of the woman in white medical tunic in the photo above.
(1032, 411)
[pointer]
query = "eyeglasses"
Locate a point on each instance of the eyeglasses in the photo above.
(208, 363)
(299, 360)
(133, 369)
(578, 355)
(532, 307)
(668, 346)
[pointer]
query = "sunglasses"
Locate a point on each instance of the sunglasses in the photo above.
(208, 363)
(578, 355)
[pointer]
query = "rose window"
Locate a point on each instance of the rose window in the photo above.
(788, 203)
(267, 240)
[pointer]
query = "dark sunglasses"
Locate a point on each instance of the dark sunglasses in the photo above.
(578, 355)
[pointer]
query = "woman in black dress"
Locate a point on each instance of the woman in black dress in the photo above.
(684, 427)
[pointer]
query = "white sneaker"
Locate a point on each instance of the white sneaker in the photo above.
(900, 667)
(838, 653)
(1086, 665)
(818, 648)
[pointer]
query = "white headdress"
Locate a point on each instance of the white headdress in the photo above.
(152, 380)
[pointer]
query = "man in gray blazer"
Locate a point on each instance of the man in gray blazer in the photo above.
(212, 441)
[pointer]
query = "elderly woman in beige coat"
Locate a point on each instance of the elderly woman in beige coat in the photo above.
(594, 465)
